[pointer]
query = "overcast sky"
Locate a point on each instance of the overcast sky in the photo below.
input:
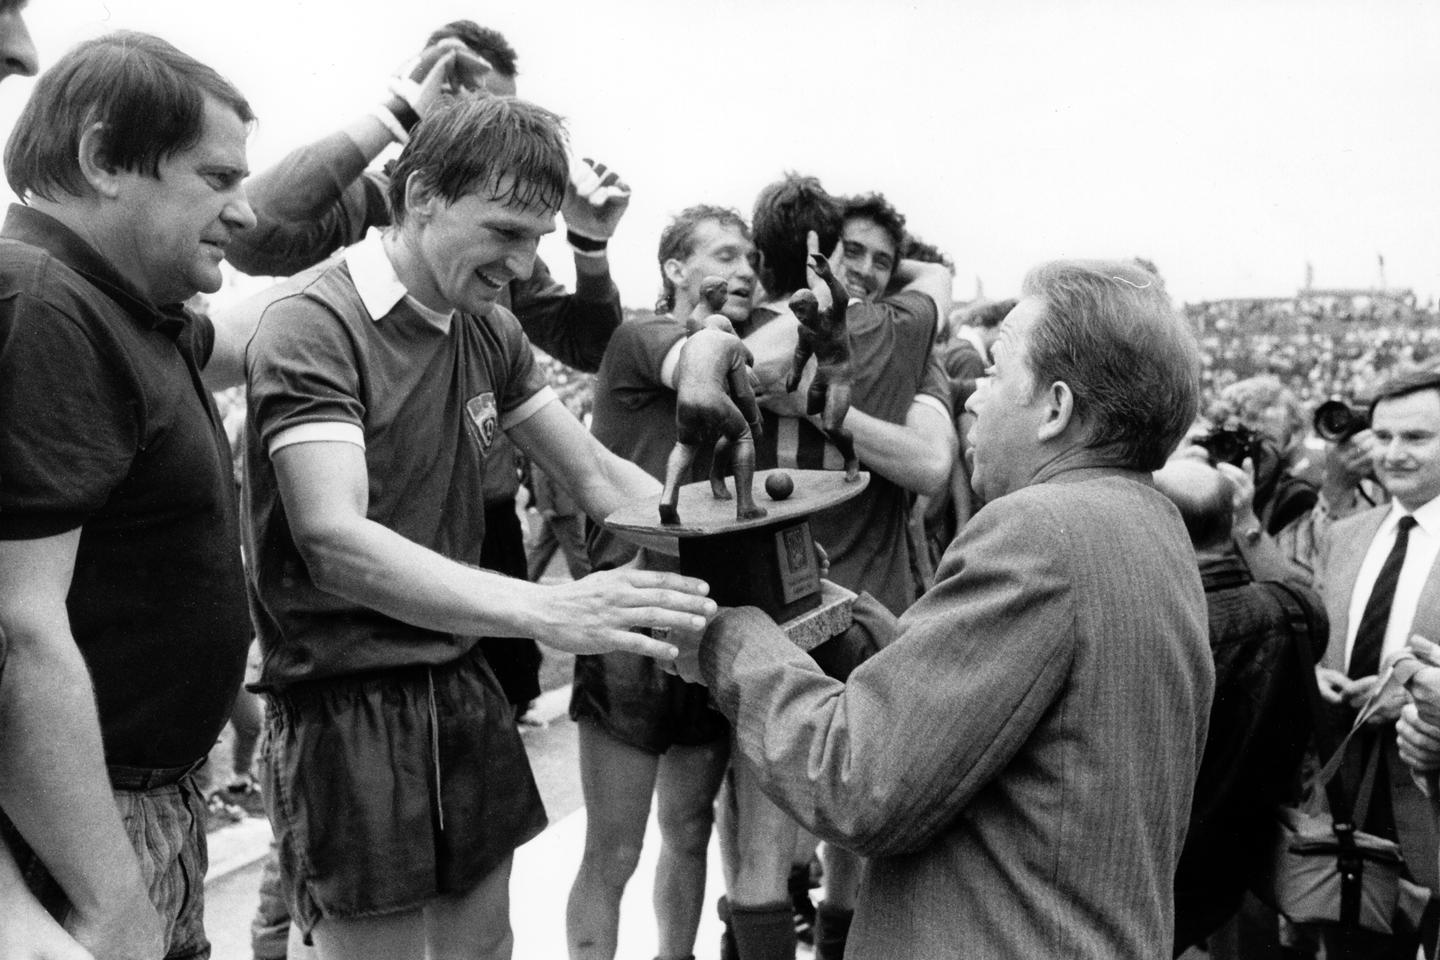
(1231, 143)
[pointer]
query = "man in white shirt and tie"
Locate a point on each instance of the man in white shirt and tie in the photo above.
(1381, 584)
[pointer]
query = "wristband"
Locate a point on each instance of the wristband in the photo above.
(397, 132)
(404, 114)
(586, 246)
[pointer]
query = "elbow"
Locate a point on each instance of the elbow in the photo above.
(324, 549)
(929, 472)
(934, 476)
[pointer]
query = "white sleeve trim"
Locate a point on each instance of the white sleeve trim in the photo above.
(670, 366)
(542, 397)
(933, 401)
(332, 431)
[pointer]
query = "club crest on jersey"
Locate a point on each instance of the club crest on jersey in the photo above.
(486, 417)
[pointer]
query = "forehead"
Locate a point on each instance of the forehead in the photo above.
(868, 233)
(1420, 409)
(497, 204)
(712, 235)
(1015, 328)
(222, 138)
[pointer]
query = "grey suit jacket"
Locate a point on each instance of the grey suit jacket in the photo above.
(1342, 552)
(1018, 764)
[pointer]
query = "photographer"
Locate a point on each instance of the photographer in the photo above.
(1261, 420)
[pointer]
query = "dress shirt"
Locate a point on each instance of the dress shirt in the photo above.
(1420, 555)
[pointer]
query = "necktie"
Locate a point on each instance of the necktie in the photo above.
(1370, 637)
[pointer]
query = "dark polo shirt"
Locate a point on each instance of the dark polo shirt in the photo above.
(106, 426)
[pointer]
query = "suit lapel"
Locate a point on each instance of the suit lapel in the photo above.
(1348, 545)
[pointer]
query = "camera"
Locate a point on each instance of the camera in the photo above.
(1338, 421)
(1232, 443)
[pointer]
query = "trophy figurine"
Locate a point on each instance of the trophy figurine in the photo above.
(823, 334)
(714, 400)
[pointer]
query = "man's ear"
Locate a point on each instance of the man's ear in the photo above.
(1059, 411)
(420, 203)
(674, 271)
(95, 164)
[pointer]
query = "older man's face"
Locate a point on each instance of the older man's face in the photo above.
(1008, 410)
(180, 221)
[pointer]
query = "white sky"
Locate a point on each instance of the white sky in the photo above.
(1229, 142)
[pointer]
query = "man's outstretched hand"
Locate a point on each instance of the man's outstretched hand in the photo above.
(601, 613)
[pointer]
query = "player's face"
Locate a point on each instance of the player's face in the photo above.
(472, 248)
(180, 221)
(721, 250)
(867, 259)
(1008, 411)
(17, 52)
(1408, 431)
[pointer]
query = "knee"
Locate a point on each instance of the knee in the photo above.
(687, 833)
(611, 863)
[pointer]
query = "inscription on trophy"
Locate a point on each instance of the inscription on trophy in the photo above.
(795, 559)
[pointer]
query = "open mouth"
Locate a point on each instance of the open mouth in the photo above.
(492, 282)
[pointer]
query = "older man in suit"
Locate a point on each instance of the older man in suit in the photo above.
(1018, 764)
(1379, 573)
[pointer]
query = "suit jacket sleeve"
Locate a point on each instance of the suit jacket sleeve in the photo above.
(316, 200)
(885, 761)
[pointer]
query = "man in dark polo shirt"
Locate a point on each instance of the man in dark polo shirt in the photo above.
(121, 593)
(378, 387)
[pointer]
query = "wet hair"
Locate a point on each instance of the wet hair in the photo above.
(875, 208)
(490, 44)
(148, 96)
(785, 211)
(1109, 331)
(508, 147)
(677, 242)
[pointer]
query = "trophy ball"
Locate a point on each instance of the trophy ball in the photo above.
(779, 485)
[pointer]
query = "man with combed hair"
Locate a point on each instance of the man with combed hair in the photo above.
(1017, 764)
(378, 386)
(121, 593)
(1379, 572)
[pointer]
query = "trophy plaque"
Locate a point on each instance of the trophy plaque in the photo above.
(767, 562)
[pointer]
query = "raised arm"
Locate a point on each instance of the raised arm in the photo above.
(320, 197)
(575, 328)
(932, 279)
